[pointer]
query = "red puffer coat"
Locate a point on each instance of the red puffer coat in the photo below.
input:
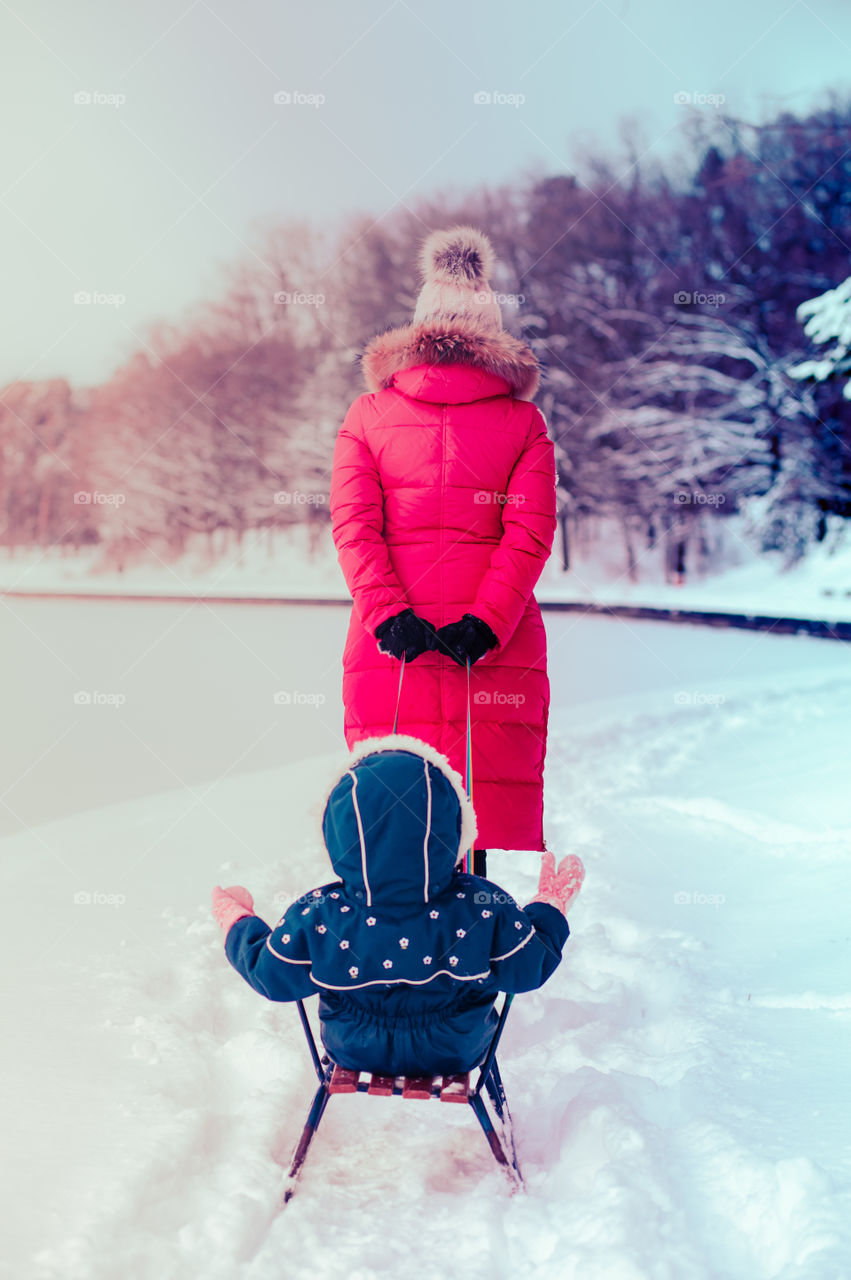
(443, 500)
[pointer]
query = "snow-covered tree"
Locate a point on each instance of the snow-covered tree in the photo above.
(42, 465)
(827, 318)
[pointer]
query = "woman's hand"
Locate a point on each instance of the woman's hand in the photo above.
(405, 635)
(469, 638)
(230, 905)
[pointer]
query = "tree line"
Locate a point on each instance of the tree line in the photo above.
(661, 299)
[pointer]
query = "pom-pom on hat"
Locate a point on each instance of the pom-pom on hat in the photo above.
(456, 267)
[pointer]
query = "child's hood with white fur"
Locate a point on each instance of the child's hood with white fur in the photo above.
(397, 820)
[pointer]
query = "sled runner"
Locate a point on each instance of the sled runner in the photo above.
(334, 1079)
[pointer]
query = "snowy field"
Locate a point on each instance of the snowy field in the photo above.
(679, 1088)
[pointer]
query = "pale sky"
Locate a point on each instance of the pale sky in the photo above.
(144, 199)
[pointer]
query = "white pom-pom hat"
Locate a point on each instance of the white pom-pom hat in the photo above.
(456, 266)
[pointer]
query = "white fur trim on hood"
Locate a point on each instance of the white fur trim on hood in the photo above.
(406, 742)
(459, 340)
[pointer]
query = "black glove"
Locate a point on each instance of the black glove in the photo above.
(405, 635)
(470, 638)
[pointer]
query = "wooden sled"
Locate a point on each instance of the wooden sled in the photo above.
(334, 1079)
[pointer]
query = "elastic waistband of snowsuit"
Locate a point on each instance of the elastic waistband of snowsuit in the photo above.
(366, 1016)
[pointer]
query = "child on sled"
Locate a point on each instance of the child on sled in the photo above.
(406, 952)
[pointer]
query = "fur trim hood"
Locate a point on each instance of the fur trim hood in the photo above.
(388, 748)
(461, 340)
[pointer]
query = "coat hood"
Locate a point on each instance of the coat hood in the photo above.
(460, 341)
(449, 383)
(397, 821)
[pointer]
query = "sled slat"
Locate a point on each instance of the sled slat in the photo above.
(381, 1086)
(343, 1081)
(418, 1087)
(455, 1088)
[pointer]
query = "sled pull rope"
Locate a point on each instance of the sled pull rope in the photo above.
(399, 696)
(468, 857)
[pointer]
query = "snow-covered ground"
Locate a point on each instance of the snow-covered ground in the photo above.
(288, 564)
(819, 586)
(745, 582)
(679, 1088)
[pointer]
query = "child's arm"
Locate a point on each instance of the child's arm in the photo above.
(527, 946)
(250, 948)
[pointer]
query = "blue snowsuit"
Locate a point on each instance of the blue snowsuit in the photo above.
(406, 952)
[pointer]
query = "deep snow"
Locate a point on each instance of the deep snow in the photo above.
(679, 1088)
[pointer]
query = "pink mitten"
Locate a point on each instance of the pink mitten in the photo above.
(230, 905)
(560, 886)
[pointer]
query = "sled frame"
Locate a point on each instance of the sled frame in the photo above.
(333, 1079)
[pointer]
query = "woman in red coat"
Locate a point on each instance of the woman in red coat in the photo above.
(443, 505)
